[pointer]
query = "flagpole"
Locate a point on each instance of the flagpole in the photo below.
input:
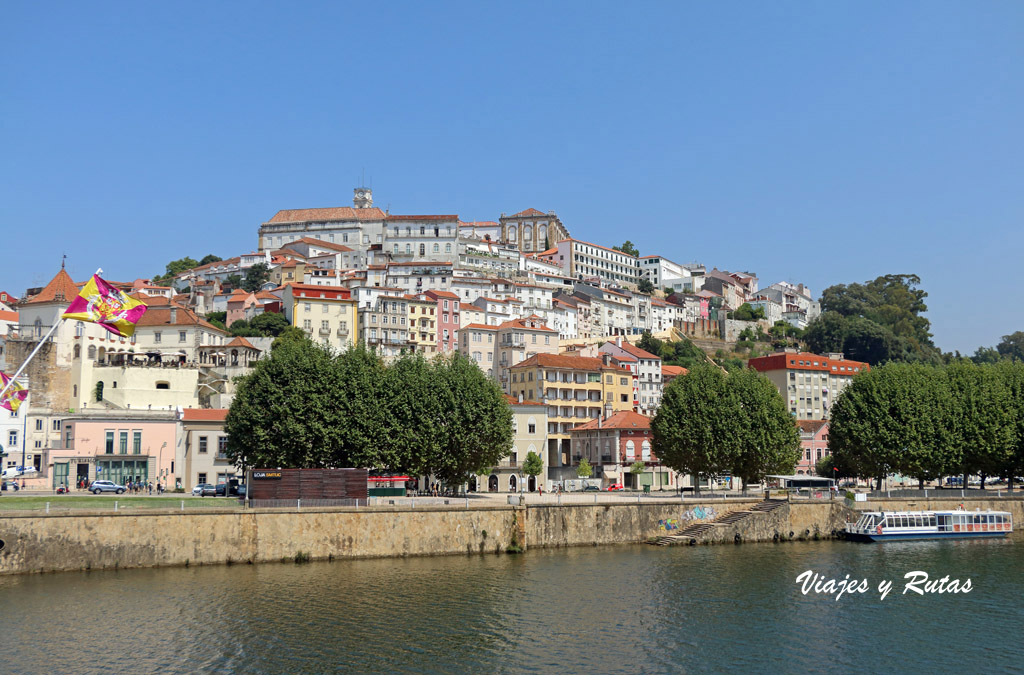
(39, 346)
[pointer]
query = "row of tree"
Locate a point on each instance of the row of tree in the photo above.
(710, 423)
(309, 407)
(927, 421)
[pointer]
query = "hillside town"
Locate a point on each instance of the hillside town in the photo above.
(553, 319)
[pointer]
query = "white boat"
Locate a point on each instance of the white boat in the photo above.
(901, 525)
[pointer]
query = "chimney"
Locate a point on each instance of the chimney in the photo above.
(520, 398)
(607, 409)
(618, 342)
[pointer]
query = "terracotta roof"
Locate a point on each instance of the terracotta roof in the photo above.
(624, 419)
(204, 414)
(568, 362)
(161, 316)
(674, 371)
(335, 213)
(521, 323)
(806, 361)
(60, 289)
(637, 352)
(811, 426)
(442, 217)
(478, 326)
(442, 294)
(241, 342)
(8, 316)
(528, 212)
(512, 400)
(313, 241)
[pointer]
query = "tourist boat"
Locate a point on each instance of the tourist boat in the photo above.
(899, 525)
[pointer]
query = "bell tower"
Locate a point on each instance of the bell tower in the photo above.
(363, 198)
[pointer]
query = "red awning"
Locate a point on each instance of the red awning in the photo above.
(386, 479)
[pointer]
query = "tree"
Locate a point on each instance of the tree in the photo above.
(584, 470)
(983, 421)
(645, 286)
(174, 268)
(1012, 375)
(255, 277)
(894, 418)
(892, 302)
(1012, 346)
(284, 412)
(764, 438)
(649, 343)
(628, 248)
(475, 424)
(533, 465)
(209, 258)
(269, 324)
(984, 355)
(747, 313)
(233, 280)
(692, 431)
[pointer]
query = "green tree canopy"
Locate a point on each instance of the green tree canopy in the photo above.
(533, 465)
(645, 286)
(765, 440)
(584, 469)
(692, 432)
(628, 248)
(747, 313)
(255, 277)
(984, 427)
(1012, 346)
(877, 321)
(210, 258)
(174, 268)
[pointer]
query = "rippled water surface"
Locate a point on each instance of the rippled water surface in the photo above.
(606, 610)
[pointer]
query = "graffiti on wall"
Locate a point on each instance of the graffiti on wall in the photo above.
(700, 513)
(668, 524)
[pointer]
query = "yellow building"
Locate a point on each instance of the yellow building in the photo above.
(422, 325)
(326, 313)
(576, 389)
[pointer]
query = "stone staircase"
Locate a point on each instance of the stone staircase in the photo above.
(696, 531)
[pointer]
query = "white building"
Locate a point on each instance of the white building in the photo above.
(657, 269)
(583, 260)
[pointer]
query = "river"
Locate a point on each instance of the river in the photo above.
(620, 609)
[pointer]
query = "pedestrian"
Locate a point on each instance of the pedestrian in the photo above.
(540, 489)
(150, 487)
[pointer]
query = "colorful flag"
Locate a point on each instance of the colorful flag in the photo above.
(101, 303)
(14, 395)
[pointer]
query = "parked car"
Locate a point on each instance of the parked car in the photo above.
(616, 486)
(99, 486)
(591, 488)
(240, 491)
(205, 490)
(221, 490)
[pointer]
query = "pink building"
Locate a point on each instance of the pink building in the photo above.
(447, 319)
(122, 446)
(238, 303)
(814, 445)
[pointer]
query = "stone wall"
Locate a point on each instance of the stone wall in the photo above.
(34, 543)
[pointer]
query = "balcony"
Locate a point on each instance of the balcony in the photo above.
(325, 331)
(342, 332)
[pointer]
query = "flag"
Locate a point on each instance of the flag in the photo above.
(101, 303)
(14, 395)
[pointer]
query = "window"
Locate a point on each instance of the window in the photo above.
(110, 443)
(326, 308)
(622, 381)
(202, 445)
(201, 478)
(12, 439)
(624, 398)
(39, 424)
(222, 445)
(182, 335)
(156, 337)
(307, 324)
(531, 428)
(123, 444)
(137, 442)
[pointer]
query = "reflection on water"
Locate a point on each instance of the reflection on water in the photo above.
(610, 610)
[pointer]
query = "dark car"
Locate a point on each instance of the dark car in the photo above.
(591, 488)
(240, 491)
(221, 490)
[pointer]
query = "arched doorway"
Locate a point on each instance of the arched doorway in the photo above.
(512, 486)
(531, 484)
(492, 484)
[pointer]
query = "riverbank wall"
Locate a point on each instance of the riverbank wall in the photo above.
(83, 541)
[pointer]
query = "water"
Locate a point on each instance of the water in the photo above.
(629, 609)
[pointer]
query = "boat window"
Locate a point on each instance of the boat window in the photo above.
(931, 520)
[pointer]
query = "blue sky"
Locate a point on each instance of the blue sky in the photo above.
(820, 143)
